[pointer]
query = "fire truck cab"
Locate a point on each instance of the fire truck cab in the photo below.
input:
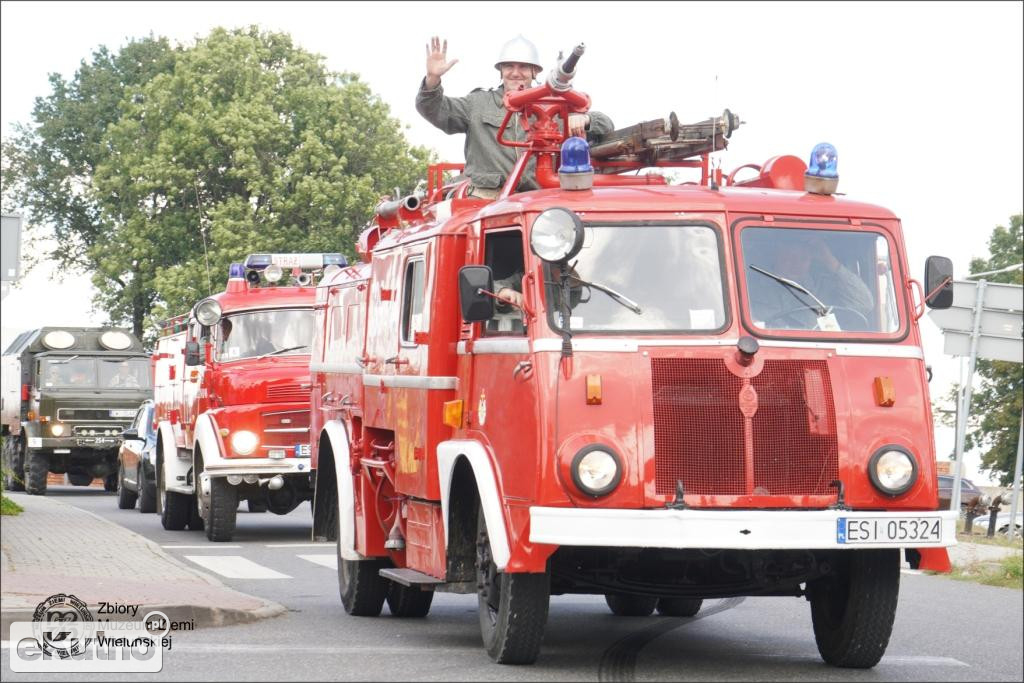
(686, 392)
(231, 408)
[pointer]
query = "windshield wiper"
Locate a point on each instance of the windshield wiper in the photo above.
(290, 348)
(66, 360)
(620, 298)
(821, 310)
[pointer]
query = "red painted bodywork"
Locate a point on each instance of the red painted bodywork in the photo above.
(236, 394)
(534, 422)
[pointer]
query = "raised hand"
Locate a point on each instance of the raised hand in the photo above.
(437, 61)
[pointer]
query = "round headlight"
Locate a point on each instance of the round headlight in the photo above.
(595, 470)
(58, 339)
(244, 442)
(557, 235)
(893, 470)
(115, 341)
(90, 432)
(57, 429)
(208, 312)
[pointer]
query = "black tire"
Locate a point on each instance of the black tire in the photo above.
(513, 608)
(256, 506)
(110, 482)
(14, 463)
(679, 607)
(220, 522)
(361, 587)
(147, 491)
(174, 506)
(853, 610)
(195, 518)
(409, 602)
(125, 499)
(79, 478)
(625, 605)
(37, 466)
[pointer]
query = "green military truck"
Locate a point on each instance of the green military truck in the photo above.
(68, 393)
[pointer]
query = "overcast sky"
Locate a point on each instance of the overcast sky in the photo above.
(922, 100)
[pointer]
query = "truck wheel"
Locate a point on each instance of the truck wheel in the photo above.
(513, 608)
(37, 465)
(147, 491)
(360, 585)
(409, 601)
(173, 505)
(125, 498)
(195, 518)
(14, 463)
(220, 526)
(853, 610)
(79, 478)
(626, 605)
(110, 482)
(679, 607)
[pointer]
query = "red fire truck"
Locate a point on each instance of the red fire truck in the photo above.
(670, 411)
(231, 408)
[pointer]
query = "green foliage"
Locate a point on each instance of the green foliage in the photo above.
(241, 143)
(997, 398)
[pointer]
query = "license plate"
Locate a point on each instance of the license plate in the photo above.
(302, 450)
(122, 413)
(888, 530)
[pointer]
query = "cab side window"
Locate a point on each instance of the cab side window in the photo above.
(503, 252)
(412, 301)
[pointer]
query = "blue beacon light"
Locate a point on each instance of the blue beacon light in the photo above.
(237, 270)
(822, 176)
(575, 171)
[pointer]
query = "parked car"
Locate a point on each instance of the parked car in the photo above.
(1003, 522)
(972, 499)
(136, 480)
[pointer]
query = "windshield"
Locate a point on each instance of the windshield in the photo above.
(819, 280)
(252, 334)
(644, 279)
(124, 374)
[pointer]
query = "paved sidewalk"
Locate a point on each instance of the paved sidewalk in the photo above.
(53, 548)
(965, 554)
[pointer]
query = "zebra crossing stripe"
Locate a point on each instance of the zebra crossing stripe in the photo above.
(329, 561)
(235, 567)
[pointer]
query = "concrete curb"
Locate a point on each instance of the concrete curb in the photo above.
(20, 606)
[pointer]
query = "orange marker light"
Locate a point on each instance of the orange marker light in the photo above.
(593, 390)
(453, 413)
(885, 395)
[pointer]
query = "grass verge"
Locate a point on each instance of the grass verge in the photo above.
(1006, 573)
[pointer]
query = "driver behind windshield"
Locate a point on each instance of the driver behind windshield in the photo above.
(808, 261)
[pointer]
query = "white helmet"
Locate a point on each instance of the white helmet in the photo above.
(518, 49)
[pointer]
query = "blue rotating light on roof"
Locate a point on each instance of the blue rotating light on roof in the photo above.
(335, 260)
(576, 173)
(822, 176)
(237, 270)
(258, 261)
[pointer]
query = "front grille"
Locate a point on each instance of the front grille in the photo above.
(285, 429)
(287, 392)
(699, 429)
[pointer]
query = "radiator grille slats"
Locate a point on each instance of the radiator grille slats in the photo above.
(699, 429)
(287, 392)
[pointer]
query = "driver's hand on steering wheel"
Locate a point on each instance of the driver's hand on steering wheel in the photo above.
(511, 296)
(578, 125)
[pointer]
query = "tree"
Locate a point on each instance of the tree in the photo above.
(997, 399)
(158, 167)
(250, 145)
(48, 167)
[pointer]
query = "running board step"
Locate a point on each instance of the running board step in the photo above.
(411, 577)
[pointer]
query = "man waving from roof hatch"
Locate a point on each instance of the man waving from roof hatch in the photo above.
(480, 113)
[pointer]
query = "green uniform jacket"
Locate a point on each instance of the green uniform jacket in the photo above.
(479, 115)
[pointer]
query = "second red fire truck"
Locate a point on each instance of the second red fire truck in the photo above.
(675, 408)
(231, 405)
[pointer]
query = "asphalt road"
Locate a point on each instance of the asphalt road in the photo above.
(945, 630)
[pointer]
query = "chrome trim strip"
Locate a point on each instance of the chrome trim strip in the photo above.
(410, 382)
(337, 368)
(286, 430)
(286, 412)
(496, 346)
(869, 350)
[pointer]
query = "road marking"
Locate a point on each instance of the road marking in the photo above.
(917, 572)
(329, 561)
(886, 659)
(208, 546)
(300, 545)
(235, 567)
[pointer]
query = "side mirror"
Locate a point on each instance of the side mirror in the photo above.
(937, 269)
(130, 434)
(476, 306)
(192, 353)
